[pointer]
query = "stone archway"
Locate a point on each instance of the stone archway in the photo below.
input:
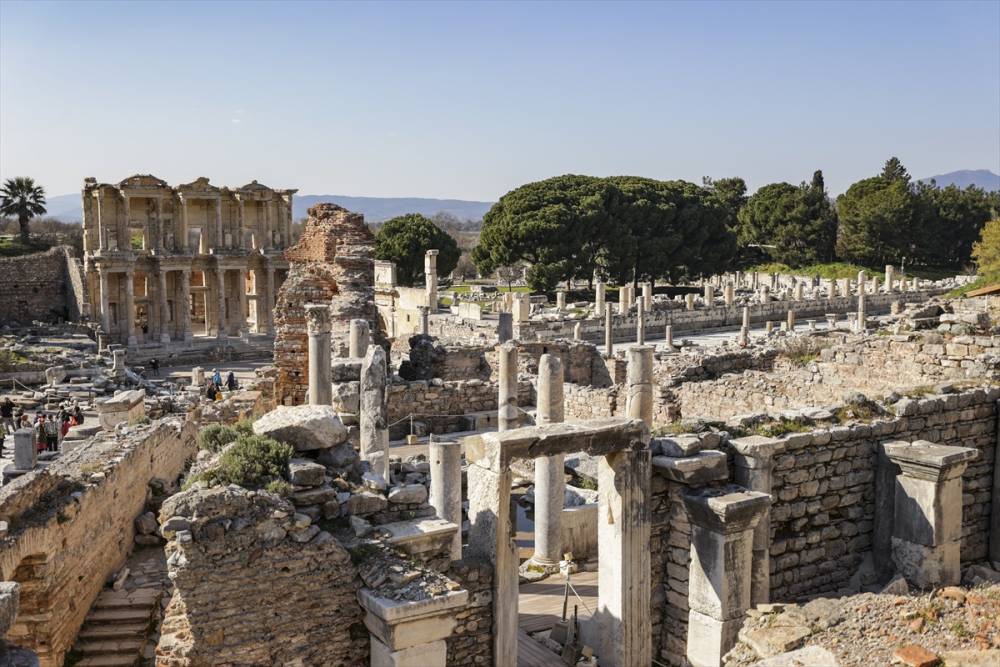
(622, 619)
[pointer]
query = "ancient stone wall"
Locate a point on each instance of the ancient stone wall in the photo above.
(72, 524)
(471, 642)
(38, 287)
(442, 406)
(332, 263)
(247, 592)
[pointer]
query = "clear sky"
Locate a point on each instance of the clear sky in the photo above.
(469, 100)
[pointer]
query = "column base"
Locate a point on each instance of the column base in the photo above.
(536, 570)
(928, 567)
(709, 639)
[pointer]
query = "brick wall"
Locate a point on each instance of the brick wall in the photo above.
(38, 287)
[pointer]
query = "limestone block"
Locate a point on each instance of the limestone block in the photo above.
(304, 427)
(709, 639)
(366, 503)
(9, 601)
(303, 472)
(700, 468)
(408, 493)
(677, 446)
(432, 654)
(347, 397)
(422, 536)
(400, 624)
(927, 567)
(814, 656)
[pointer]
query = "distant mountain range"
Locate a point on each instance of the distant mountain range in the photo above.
(375, 209)
(981, 178)
(378, 209)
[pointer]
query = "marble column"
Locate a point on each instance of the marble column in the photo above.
(561, 300)
(875, 287)
(862, 277)
(508, 416)
(797, 293)
(183, 245)
(373, 419)
(862, 313)
(599, 296)
(130, 308)
(609, 333)
(723, 520)
(445, 458)
(102, 232)
(184, 307)
(640, 326)
(831, 289)
(639, 384)
(689, 301)
(709, 296)
(505, 327)
(219, 238)
(623, 299)
(668, 333)
(889, 276)
(242, 301)
(927, 516)
(357, 343)
(221, 320)
(791, 320)
(425, 325)
(161, 232)
(105, 307)
(320, 373)
(269, 302)
(647, 296)
(729, 294)
(550, 477)
(578, 331)
(164, 309)
(431, 278)
(746, 317)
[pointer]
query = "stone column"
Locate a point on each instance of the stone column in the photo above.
(599, 296)
(861, 282)
(130, 307)
(797, 293)
(507, 412)
(425, 325)
(431, 278)
(647, 296)
(669, 337)
(221, 320)
(358, 339)
(639, 383)
(183, 245)
(746, 317)
(743, 338)
(578, 331)
(765, 293)
(623, 578)
(505, 327)
(768, 326)
(490, 538)
(320, 373)
(609, 334)
(25, 452)
(219, 238)
(753, 469)
(373, 418)
(831, 289)
(241, 300)
(623, 299)
(238, 236)
(105, 307)
(101, 223)
(161, 275)
(269, 303)
(889, 271)
(410, 633)
(561, 300)
(640, 326)
(709, 296)
(161, 234)
(198, 377)
(445, 459)
(719, 580)
(862, 313)
(184, 308)
(927, 516)
(791, 320)
(729, 294)
(689, 301)
(874, 287)
(550, 477)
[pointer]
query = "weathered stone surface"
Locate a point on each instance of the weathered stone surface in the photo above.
(145, 524)
(913, 655)
(374, 413)
(303, 472)
(409, 494)
(366, 503)
(808, 656)
(772, 641)
(677, 446)
(304, 427)
(9, 601)
(700, 468)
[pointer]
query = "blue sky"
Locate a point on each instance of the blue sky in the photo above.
(469, 100)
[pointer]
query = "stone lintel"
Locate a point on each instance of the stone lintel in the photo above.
(597, 437)
(695, 470)
(926, 460)
(726, 510)
(399, 611)
(416, 537)
(346, 369)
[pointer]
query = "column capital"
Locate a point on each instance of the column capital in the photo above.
(929, 461)
(755, 451)
(727, 510)
(317, 318)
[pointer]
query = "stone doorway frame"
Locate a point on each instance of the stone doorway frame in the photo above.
(622, 619)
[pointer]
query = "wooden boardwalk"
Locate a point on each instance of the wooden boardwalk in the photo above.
(540, 606)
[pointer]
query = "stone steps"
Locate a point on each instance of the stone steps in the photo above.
(117, 626)
(108, 661)
(113, 631)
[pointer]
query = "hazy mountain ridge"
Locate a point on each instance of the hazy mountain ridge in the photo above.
(981, 178)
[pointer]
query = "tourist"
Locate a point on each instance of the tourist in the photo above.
(7, 415)
(67, 422)
(39, 429)
(77, 415)
(217, 378)
(231, 383)
(155, 365)
(23, 420)
(3, 436)
(51, 428)
(211, 392)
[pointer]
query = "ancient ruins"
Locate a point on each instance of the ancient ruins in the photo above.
(754, 470)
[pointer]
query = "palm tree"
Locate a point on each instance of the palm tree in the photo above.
(20, 197)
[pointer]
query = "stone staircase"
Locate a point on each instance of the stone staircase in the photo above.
(118, 628)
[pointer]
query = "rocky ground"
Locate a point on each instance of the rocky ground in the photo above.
(955, 626)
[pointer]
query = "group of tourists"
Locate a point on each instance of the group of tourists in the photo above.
(214, 385)
(48, 429)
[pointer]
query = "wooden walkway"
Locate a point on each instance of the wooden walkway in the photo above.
(540, 606)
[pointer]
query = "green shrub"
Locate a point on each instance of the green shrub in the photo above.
(779, 427)
(244, 427)
(216, 436)
(279, 487)
(252, 462)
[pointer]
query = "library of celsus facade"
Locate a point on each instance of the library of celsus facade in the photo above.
(170, 264)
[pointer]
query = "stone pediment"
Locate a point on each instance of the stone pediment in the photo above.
(143, 181)
(254, 186)
(199, 184)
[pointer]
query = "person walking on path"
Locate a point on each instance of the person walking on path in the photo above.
(51, 427)
(217, 378)
(39, 429)
(155, 365)
(7, 415)
(231, 383)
